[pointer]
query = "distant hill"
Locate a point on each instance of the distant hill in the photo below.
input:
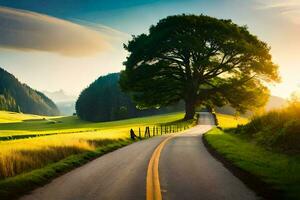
(103, 100)
(59, 96)
(64, 102)
(18, 97)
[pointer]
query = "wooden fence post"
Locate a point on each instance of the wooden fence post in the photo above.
(147, 132)
(139, 132)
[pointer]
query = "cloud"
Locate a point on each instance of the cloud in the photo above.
(280, 3)
(288, 8)
(108, 33)
(29, 31)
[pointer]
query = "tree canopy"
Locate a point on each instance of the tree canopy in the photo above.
(200, 60)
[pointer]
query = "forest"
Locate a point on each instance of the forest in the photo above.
(18, 97)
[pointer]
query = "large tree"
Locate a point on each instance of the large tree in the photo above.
(198, 59)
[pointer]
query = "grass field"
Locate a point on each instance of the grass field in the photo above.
(30, 124)
(18, 156)
(280, 171)
(32, 161)
(12, 117)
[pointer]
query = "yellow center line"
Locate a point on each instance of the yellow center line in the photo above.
(153, 191)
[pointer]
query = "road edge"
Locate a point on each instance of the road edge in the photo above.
(261, 188)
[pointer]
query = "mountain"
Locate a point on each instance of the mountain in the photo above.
(275, 102)
(64, 102)
(19, 97)
(66, 107)
(59, 96)
(103, 100)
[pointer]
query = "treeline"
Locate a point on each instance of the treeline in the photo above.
(103, 100)
(7, 102)
(18, 97)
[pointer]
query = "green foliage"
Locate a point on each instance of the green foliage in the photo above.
(198, 59)
(18, 97)
(278, 170)
(278, 129)
(103, 100)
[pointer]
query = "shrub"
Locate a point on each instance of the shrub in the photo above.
(276, 129)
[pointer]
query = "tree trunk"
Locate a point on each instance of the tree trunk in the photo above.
(190, 106)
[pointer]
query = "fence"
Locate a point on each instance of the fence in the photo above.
(150, 131)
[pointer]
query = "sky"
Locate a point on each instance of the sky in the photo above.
(67, 44)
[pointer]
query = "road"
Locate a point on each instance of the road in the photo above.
(175, 166)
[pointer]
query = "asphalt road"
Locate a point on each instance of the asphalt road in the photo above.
(186, 172)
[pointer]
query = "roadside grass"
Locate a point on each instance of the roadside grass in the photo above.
(14, 187)
(27, 163)
(278, 170)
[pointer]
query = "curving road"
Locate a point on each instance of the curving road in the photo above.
(184, 171)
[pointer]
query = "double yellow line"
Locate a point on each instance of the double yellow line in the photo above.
(153, 191)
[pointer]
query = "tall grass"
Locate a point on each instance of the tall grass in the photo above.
(278, 129)
(25, 155)
(14, 162)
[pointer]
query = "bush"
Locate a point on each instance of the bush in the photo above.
(276, 129)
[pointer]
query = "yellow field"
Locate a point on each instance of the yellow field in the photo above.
(11, 117)
(229, 121)
(23, 155)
